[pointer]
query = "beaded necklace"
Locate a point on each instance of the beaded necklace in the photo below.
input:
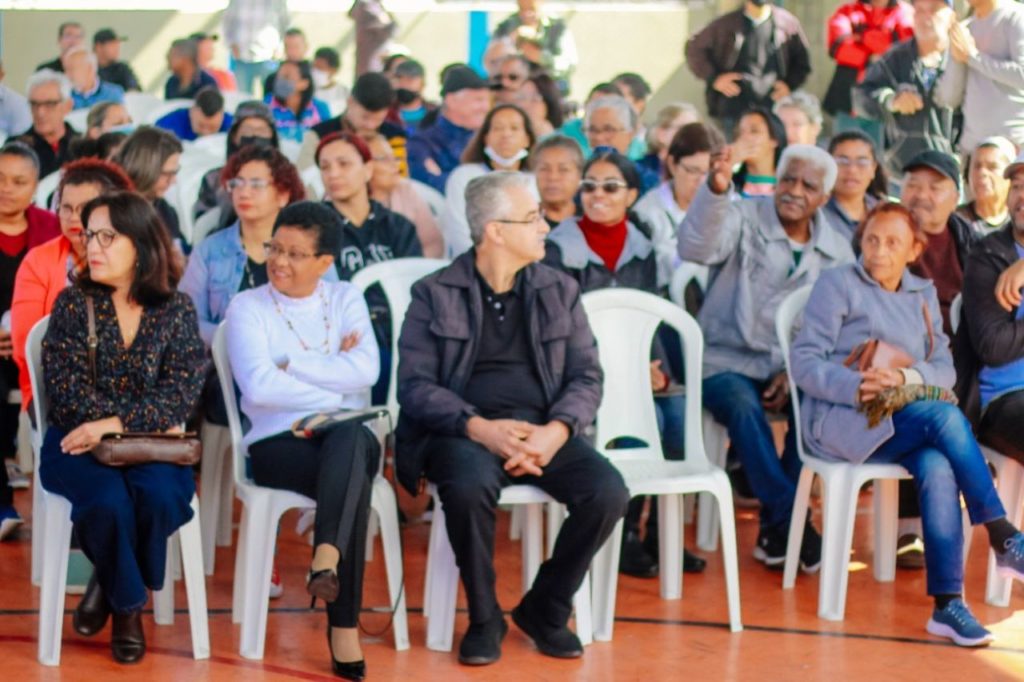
(325, 347)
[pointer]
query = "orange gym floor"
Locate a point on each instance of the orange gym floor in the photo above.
(882, 638)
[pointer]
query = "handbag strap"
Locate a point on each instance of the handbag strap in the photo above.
(92, 341)
(931, 332)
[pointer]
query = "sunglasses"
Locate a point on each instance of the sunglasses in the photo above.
(607, 186)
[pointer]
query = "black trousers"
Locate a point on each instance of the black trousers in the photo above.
(1002, 425)
(469, 479)
(8, 427)
(322, 468)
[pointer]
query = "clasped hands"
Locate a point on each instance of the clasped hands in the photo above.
(526, 448)
(874, 381)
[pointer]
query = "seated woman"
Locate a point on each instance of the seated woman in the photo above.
(664, 207)
(605, 248)
(860, 184)
(557, 162)
(300, 345)
(658, 137)
(152, 158)
(986, 166)
(260, 182)
(503, 143)
(149, 371)
(758, 142)
(394, 192)
(539, 97)
(292, 104)
(106, 117)
(901, 414)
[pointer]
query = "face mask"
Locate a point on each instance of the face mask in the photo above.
(321, 79)
(406, 96)
(503, 161)
(283, 88)
(126, 128)
(254, 140)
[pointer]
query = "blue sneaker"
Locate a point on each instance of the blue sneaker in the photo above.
(958, 624)
(1010, 564)
(9, 521)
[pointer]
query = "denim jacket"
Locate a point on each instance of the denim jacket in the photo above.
(214, 275)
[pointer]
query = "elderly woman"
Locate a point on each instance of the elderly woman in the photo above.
(152, 158)
(667, 122)
(149, 372)
(758, 144)
(394, 192)
(900, 411)
(664, 207)
(292, 104)
(800, 113)
(986, 166)
(860, 184)
(611, 121)
(557, 163)
(106, 117)
(502, 143)
(300, 346)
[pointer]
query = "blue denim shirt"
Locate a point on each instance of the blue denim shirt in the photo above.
(214, 275)
(104, 92)
(443, 142)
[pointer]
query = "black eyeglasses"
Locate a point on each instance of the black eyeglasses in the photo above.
(104, 237)
(607, 186)
(531, 219)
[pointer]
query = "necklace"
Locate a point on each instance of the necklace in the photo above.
(325, 347)
(247, 272)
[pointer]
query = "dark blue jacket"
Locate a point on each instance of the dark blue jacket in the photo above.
(443, 142)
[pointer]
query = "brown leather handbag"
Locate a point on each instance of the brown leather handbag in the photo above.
(878, 354)
(130, 448)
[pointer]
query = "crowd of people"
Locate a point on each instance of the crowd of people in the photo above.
(914, 200)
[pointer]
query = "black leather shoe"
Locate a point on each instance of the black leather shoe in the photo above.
(558, 642)
(481, 644)
(323, 585)
(91, 614)
(634, 559)
(693, 563)
(128, 641)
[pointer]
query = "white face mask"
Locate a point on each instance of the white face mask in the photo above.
(505, 161)
(321, 79)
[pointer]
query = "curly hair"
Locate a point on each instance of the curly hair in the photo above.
(285, 176)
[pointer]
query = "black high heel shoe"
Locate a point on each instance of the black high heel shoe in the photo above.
(350, 670)
(323, 585)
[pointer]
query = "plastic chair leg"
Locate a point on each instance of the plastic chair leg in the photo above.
(796, 527)
(163, 599)
(227, 496)
(670, 544)
(886, 502)
(716, 442)
(729, 558)
(581, 605)
(532, 541)
(444, 586)
(515, 523)
(385, 505)
(1010, 486)
(832, 602)
(57, 536)
(210, 485)
(259, 558)
(605, 575)
(38, 524)
(238, 587)
(190, 540)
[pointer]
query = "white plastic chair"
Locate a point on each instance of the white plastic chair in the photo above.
(161, 110)
(140, 104)
(262, 511)
(78, 119)
(45, 188)
(434, 199)
(624, 323)
(234, 98)
(313, 182)
(52, 522)
(204, 225)
(190, 179)
(213, 146)
(290, 149)
(684, 273)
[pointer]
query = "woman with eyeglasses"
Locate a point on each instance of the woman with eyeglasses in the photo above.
(860, 184)
(149, 371)
(759, 139)
(394, 192)
(503, 143)
(608, 247)
(664, 207)
(300, 345)
(152, 158)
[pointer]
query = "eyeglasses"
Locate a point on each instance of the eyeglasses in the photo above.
(603, 130)
(531, 219)
(860, 162)
(607, 186)
(44, 104)
(67, 211)
(272, 250)
(104, 237)
(384, 159)
(692, 170)
(256, 184)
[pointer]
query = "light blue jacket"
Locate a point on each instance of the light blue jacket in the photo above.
(846, 308)
(214, 275)
(752, 271)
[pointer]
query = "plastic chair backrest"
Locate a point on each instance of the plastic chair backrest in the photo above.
(312, 179)
(624, 322)
(683, 275)
(290, 149)
(161, 110)
(955, 311)
(190, 178)
(396, 278)
(78, 119)
(214, 146)
(204, 225)
(233, 99)
(786, 318)
(140, 104)
(34, 354)
(227, 387)
(434, 199)
(45, 188)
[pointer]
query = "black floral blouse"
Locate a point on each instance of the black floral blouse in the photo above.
(153, 385)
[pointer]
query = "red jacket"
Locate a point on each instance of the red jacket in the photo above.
(857, 31)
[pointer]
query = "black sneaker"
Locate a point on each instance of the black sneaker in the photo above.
(810, 549)
(558, 642)
(481, 644)
(692, 563)
(910, 552)
(771, 547)
(634, 559)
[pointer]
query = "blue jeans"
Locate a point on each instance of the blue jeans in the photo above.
(735, 401)
(247, 73)
(933, 440)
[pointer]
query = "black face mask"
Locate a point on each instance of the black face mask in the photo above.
(406, 96)
(255, 140)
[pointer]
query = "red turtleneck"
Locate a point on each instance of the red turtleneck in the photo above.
(607, 241)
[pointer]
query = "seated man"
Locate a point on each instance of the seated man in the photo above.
(205, 117)
(49, 100)
(69, 34)
(87, 88)
(762, 249)
(506, 405)
(204, 57)
(187, 79)
(106, 45)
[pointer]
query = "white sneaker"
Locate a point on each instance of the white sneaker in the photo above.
(16, 478)
(276, 587)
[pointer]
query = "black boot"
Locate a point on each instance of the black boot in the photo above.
(634, 559)
(92, 611)
(128, 641)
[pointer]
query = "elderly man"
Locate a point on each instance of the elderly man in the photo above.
(611, 121)
(49, 99)
(205, 117)
(14, 112)
(87, 88)
(498, 377)
(69, 34)
(106, 45)
(762, 249)
(435, 151)
(186, 79)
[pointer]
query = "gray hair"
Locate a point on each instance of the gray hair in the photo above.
(815, 156)
(558, 141)
(805, 102)
(90, 56)
(616, 103)
(487, 199)
(45, 76)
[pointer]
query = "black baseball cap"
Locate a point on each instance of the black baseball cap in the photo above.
(106, 35)
(941, 163)
(202, 35)
(462, 78)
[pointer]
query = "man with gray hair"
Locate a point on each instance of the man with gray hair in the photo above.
(49, 101)
(87, 88)
(498, 377)
(761, 250)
